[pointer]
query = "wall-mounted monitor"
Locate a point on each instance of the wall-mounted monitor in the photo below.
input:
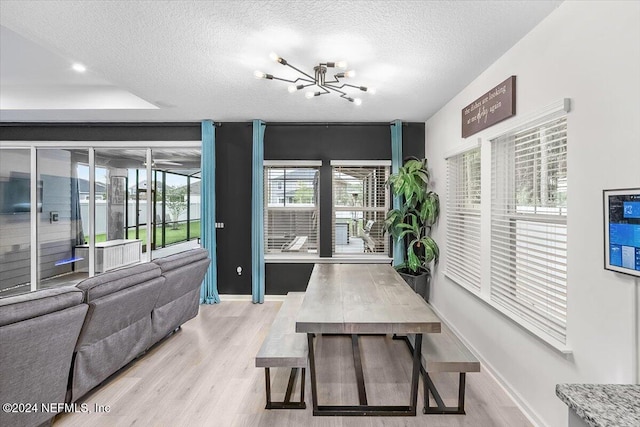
(622, 231)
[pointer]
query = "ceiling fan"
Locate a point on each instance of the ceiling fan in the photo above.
(167, 162)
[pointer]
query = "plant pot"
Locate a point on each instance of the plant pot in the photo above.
(420, 283)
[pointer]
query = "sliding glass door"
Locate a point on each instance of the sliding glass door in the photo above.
(15, 221)
(71, 211)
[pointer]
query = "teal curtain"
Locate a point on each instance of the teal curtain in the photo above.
(396, 164)
(209, 289)
(257, 214)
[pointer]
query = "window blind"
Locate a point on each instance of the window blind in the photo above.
(463, 219)
(529, 225)
(360, 204)
(291, 212)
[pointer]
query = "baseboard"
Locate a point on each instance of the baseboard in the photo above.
(267, 298)
(521, 403)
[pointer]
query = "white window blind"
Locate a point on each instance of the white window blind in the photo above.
(463, 218)
(291, 210)
(360, 205)
(529, 225)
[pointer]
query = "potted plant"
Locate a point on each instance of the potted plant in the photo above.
(411, 223)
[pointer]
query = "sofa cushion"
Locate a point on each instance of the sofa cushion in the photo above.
(114, 281)
(182, 280)
(181, 259)
(17, 308)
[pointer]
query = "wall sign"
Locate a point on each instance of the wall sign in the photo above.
(494, 106)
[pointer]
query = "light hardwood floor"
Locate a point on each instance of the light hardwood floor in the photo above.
(204, 375)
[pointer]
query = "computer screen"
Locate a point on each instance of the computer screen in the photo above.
(622, 230)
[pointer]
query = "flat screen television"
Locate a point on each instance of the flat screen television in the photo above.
(622, 230)
(15, 194)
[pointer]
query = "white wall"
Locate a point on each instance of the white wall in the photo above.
(588, 52)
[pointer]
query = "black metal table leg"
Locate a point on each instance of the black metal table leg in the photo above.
(357, 363)
(363, 409)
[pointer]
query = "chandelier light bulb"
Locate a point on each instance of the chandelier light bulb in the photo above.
(259, 74)
(274, 56)
(357, 101)
(350, 73)
(292, 88)
(309, 95)
(341, 64)
(372, 90)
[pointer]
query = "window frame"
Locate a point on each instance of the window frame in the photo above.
(385, 255)
(289, 165)
(528, 240)
(455, 270)
(556, 109)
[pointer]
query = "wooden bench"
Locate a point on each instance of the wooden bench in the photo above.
(444, 352)
(284, 348)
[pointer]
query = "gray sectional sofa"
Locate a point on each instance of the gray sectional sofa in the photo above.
(58, 344)
(38, 334)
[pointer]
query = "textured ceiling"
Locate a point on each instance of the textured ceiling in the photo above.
(195, 59)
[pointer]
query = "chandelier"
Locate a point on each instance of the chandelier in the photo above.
(321, 86)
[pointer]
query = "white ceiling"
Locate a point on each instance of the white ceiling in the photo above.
(193, 60)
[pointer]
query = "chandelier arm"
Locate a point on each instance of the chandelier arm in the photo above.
(300, 71)
(292, 81)
(336, 89)
(283, 80)
(346, 98)
(343, 94)
(301, 79)
(349, 85)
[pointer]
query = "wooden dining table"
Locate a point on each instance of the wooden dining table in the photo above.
(357, 299)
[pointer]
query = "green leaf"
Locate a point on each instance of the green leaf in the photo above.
(413, 261)
(419, 211)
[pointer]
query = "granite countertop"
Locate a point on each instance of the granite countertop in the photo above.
(603, 405)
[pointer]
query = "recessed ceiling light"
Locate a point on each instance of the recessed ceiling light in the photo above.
(79, 67)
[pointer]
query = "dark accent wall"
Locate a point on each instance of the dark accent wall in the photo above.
(234, 143)
(283, 278)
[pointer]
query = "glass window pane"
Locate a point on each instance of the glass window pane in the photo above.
(116, 208)
(176, 199)
(291, 217)
(15, 225)
(361, 201)
(63, 190)
(194, 208)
